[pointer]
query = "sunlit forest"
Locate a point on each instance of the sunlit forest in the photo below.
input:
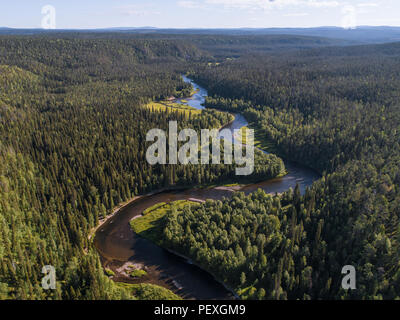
(74, 113)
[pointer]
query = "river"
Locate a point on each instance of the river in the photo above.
(118, 245)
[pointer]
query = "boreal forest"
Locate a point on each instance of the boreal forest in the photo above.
(74, 112)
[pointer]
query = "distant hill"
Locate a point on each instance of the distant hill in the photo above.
(365, 34)
(362, 34)
(382, 49)
(237, 45)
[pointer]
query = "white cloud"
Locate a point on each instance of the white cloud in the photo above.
(189, 4)
(133, 10)
(271, 4)
(296, 14)
(363, 5)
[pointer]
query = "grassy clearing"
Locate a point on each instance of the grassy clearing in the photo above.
(147, 291)
(156, 206)
(150, 225)
(260, 140)
(172, 107)
(227, 183)
(231, 184)
(137, 273)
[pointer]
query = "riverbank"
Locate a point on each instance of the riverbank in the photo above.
(117, 208)
(118, 244)
(126, 203)
(190, 261)
(149, 226)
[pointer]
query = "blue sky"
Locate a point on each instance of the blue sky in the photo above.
(201, 13)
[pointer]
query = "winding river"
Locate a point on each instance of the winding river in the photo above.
(119, 246)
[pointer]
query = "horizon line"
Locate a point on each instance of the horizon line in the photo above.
(199, 28)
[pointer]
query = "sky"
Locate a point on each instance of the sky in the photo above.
(91, 14)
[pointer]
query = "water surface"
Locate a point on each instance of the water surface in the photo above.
(118, 244)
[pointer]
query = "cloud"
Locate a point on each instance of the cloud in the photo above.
(296, 14)
(133, 10)
(363, 5)
(189, 4)
(271, 4)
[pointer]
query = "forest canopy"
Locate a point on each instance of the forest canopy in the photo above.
(73, 120)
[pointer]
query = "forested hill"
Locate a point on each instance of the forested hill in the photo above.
(361, 34)
(73, 120)
(109, 56)
(207, 45)
(70, 129)
(386, 49)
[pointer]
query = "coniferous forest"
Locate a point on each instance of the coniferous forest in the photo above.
(73, 121)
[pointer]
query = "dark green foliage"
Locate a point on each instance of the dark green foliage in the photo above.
(337, 111)
(290, 247)
(73, 146)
